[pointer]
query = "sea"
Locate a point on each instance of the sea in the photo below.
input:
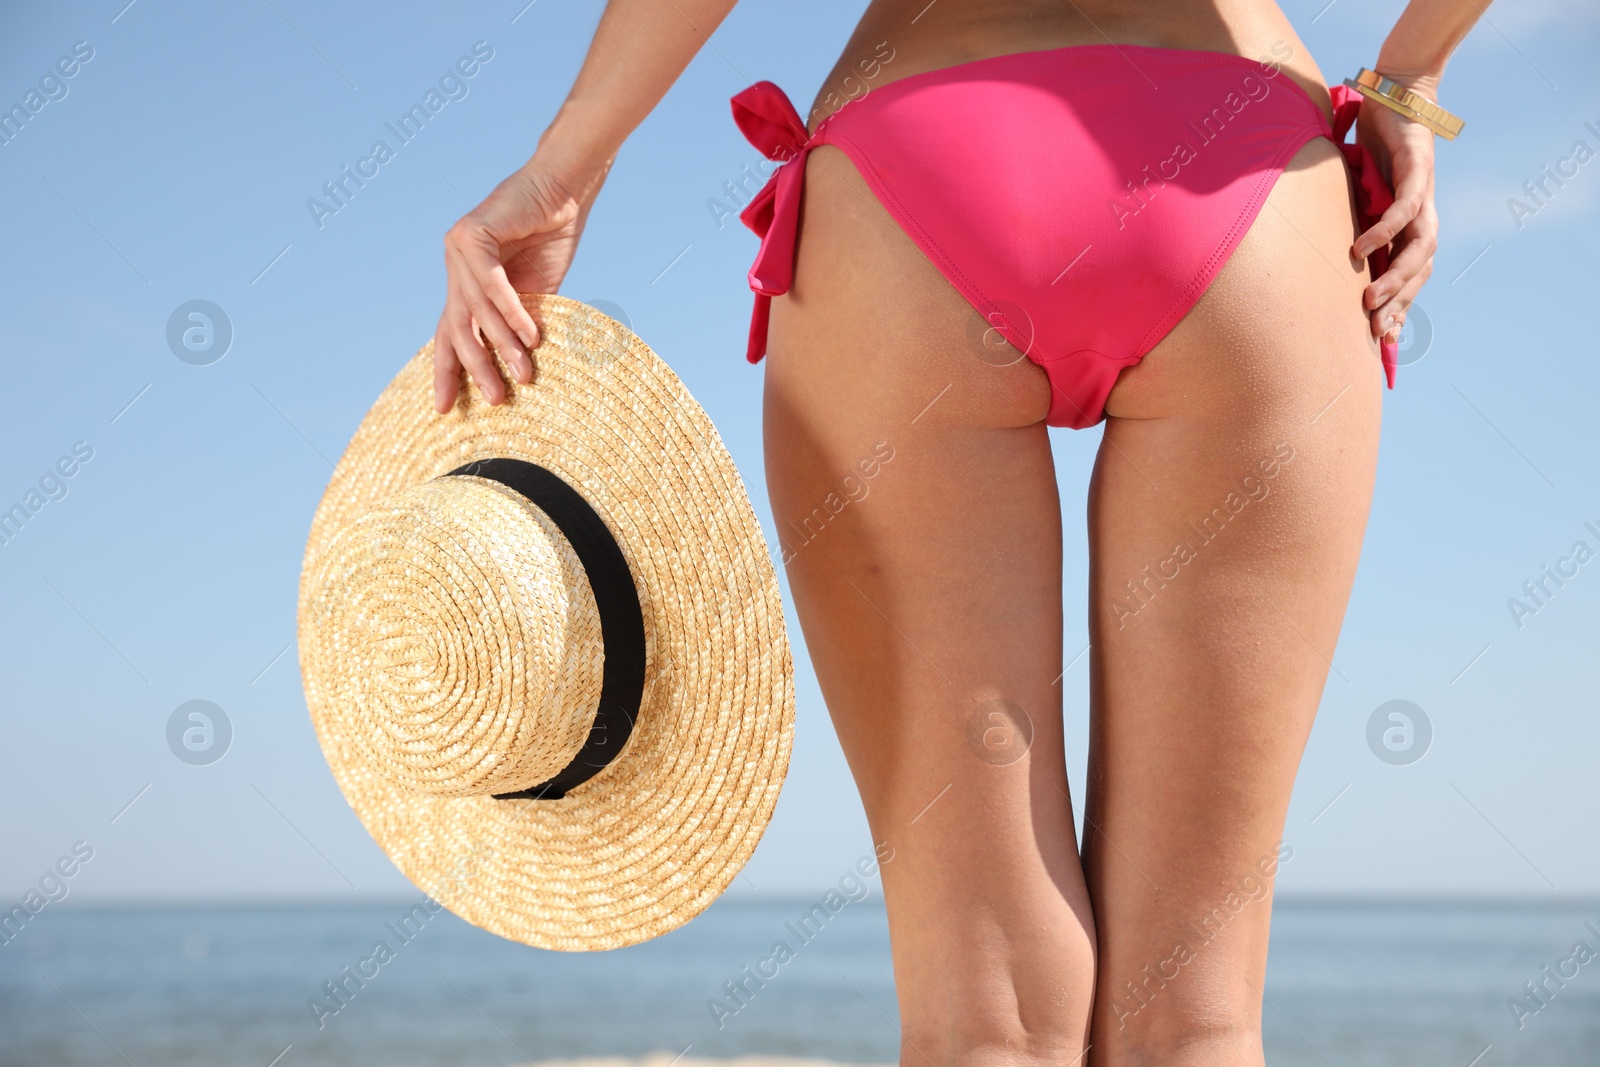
(1350, 982)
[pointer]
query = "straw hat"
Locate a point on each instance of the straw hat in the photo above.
(543, 647)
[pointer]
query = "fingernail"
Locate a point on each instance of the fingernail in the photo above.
(526, 338)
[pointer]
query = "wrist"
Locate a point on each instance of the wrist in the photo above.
(576, 151)
(1416, 101)
(1421, 76)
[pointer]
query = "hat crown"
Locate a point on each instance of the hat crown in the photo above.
(469, 635)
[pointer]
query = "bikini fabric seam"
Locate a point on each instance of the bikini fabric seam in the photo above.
(1252, 208)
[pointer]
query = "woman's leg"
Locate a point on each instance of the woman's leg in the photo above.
(1225, 517)
(915, 499)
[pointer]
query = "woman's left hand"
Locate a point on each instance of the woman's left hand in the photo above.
(1403, 150)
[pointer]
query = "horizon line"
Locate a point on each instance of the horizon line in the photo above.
(1351, 899)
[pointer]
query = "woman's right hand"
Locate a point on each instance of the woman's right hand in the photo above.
(520, 239)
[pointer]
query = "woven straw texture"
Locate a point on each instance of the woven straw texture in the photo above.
(450, 647)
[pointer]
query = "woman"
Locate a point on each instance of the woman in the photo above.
(1228, 499)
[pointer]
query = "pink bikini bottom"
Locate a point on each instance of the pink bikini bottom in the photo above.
(1080, 198)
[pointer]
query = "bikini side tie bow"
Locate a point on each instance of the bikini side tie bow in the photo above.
(771, 123)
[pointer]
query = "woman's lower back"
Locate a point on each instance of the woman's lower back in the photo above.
(927, 36)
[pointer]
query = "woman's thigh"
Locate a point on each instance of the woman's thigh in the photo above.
(1226, 515)
(915, 502)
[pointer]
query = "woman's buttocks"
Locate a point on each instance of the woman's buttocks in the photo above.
(898, 38)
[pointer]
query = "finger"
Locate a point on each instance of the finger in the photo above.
(479, 366)
(480, 249)
(1391, 315)
(1388, 318)
(1409, 198)
(494, 326)
(477, 361)
(1418, 248)
(481, 256)
(506, 344)
(502, 294)
(446, 371)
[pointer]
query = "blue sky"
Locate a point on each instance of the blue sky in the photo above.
(175, 165)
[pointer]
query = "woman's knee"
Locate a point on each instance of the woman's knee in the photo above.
(1014, 1003)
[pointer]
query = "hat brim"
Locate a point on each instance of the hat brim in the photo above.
(654, 838)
